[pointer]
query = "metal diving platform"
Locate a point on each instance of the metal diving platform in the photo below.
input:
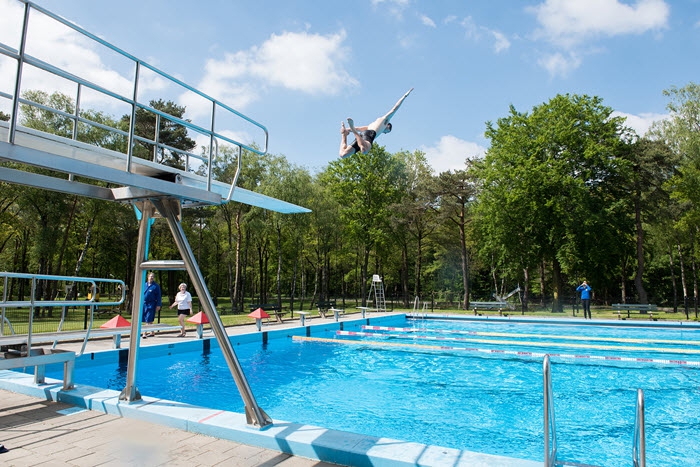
(126, 165)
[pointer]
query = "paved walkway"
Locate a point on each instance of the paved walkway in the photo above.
(44, 433)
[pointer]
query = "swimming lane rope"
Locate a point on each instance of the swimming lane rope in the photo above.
(515, 343)
(496, 351)
(543, 336)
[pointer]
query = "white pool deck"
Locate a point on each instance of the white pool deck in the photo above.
(44, 425)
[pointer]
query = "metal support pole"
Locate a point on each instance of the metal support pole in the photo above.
(14, 114)
(168, 208)
(130, 392)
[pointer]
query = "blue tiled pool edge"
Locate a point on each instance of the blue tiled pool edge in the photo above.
(300, 440)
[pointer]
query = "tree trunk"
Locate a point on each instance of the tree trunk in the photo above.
(641, 292)
(526, 288)
(673, 279)
(417, 271)
(66, 232)
(557, 303)
(683, 282)
(465, 258)
(695, 275)
(404, 274)
(86, 244)
(363, 275)
(542, 283)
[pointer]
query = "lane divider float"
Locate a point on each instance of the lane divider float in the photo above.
(543, 336)
(518, 353)
(516, 343)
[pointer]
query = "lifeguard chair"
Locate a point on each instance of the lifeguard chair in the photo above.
(73, 166)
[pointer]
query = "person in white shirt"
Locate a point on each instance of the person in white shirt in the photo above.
(183, 300)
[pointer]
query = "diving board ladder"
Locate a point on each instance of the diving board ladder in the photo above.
(68, 163)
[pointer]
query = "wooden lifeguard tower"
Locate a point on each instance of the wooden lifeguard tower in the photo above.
(154, 189)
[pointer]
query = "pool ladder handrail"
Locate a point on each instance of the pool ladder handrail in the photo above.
(550, 457)
(639, 444)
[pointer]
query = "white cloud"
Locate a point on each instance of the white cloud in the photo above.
(427, 21)
(567, 23)
(394, 7)
(642, 122)
(570, 26)
(558, 64)
(476, 32)
(502, 42)
(310, 63)
(450, 153)
(66, 49)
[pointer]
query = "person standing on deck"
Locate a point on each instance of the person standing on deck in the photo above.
(585, 290)
(152, 301)
(183, 301)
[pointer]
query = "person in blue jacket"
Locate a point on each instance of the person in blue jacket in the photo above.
(152, 301)
(585, 290)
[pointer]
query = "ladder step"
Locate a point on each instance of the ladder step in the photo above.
(573, 464)
(164, 265)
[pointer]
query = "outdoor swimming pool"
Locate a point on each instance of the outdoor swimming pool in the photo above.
(469, 385)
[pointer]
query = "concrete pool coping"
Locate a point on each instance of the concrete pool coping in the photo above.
(307, 441)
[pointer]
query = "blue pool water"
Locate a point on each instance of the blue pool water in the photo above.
(468, 385)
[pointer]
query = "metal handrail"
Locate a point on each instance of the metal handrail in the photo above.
(639, 443)
(32, 303)
(550, 456)
(23, 58)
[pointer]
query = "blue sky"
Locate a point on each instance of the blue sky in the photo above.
(301, 67)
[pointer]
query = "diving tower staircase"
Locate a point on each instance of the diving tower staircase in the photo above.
(67, 164)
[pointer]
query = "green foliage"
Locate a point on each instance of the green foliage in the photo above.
(552, 190)
(564, 192)
(168, 133)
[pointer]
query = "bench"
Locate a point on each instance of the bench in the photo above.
(270, 308)
(642, 308)
(488, 306)
(324, 307)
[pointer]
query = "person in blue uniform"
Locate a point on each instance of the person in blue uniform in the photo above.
(152, 301)
(365, 135)
(585, 290)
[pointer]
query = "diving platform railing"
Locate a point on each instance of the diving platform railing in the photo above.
(34, 302)
(139, 178)
(18, 351)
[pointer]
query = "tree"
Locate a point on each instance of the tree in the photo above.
(681, 132)
(551, 183)
(169, 133)
(653, 164)
(456, 192)
(365, 186)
